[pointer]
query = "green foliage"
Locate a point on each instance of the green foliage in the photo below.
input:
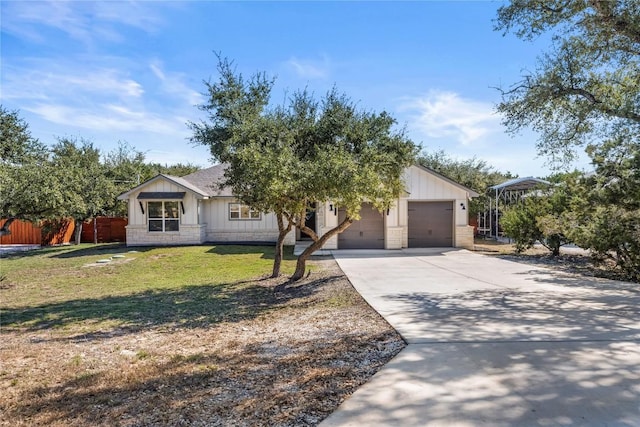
(177, 169)
(605, 214)
(586, 91)
(283, 158)
(586, 88)
(85, 189)
(537, 218)
(28, 188)
(29, 191)
(17, 146)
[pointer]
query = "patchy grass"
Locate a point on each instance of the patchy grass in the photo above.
(179, 336)
(66, 288)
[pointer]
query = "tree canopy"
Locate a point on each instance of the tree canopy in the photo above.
(586, 92)
(285, 158)
(585, 89)
(27, 185)
(85, 190)
(71, 179)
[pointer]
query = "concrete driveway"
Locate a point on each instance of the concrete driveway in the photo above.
(495, 343)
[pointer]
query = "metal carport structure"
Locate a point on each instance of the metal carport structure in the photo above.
(510, 192)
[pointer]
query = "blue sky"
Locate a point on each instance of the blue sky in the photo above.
(133, 71)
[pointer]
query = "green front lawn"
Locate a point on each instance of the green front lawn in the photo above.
(179, 336)
(67, 288)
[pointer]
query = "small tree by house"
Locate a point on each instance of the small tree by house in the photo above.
(85, 189)
(538, 218)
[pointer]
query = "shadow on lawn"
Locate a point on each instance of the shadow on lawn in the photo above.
(66, 251)
(250, 386)
(103, 250)
(267, 251)
(186, 307)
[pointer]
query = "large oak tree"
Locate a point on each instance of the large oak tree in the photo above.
(586, 92)
(586, 88)
(285, 158)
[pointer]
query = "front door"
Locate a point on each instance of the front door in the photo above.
(309, 221)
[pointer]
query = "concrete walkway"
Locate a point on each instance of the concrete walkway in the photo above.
(495, 343)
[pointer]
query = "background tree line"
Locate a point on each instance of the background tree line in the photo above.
(70, 179)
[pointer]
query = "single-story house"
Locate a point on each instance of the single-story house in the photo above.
(170, 210)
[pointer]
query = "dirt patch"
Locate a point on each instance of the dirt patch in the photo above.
(291, 365)
(580, 264)
(111, 262)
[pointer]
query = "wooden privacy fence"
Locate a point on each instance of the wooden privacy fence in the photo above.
(46, 233)
(105, 229)
(22, 232)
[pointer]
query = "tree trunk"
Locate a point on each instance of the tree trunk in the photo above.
(4, 231)
(282, 234)
(301, 264)
(78, 231)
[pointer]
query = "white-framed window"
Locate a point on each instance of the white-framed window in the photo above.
(163, 216)
(238, 211)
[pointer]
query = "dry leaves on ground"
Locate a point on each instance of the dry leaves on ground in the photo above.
(288, 366)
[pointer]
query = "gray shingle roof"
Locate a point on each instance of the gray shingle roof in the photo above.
(207, 181)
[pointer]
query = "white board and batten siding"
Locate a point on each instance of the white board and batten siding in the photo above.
(220, 228)
(189, 217)
(190, 231)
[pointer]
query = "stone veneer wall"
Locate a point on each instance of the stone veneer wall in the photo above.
(137, 235)
(464, 236)
(248, 236)
(393, 237)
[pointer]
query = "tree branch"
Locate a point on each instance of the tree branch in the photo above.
(622, 26)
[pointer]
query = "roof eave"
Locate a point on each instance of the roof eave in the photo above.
(127, 194)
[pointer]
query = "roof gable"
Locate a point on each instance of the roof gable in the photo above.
(469, 191)
(199, 193)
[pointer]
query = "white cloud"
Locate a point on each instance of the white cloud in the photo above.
(96, 99)
(85, 21)
(447, 115)
(310, 69)
(108, 117)
(174, 84)
(44, 79)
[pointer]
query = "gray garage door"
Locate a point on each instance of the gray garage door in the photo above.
(430, 224)
(367, 233)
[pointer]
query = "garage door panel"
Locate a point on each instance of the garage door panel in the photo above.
(430, 224)
(366, 233)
